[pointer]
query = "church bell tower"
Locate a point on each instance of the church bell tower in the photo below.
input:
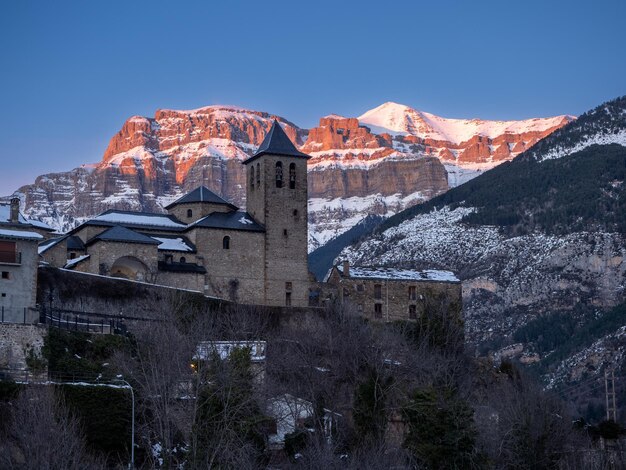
(277, 198)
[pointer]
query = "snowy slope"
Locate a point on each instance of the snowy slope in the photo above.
(398, 119)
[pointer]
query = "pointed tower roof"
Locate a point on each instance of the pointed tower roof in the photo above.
(200, 194)
(276, 142)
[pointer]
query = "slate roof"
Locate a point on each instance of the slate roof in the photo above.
(229, 220)
(393, 274)
(201, 194)
(47, 244)
(276, 142)
(118, 233)
(75, 243)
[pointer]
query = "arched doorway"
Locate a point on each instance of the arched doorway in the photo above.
(129, 267)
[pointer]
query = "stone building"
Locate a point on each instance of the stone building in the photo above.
(204, 243)
(389, 294)
(18, 265)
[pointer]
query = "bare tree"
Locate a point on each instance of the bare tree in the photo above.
(43, 435)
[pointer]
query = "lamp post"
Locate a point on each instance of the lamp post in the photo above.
(132, 437)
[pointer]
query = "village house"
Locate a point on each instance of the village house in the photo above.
(18, 264)
(389, 294)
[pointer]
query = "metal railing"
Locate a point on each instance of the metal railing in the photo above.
(84, 323)
(23, 315)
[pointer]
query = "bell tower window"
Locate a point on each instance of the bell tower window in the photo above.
(292, 176)
(279, 174)
(258, 175)
(252, 176)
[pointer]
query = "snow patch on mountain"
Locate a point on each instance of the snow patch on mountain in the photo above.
(329, 218)
(601, 138)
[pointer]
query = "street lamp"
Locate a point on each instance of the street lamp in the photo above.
(132, 437)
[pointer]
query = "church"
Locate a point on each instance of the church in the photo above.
(204, 243)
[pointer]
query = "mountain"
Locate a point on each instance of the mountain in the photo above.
(540, 237)
(356, 169)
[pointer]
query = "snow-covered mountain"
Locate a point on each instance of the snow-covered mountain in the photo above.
(358, 167)
(537, 236)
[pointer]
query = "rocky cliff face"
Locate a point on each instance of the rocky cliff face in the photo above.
(356, 168)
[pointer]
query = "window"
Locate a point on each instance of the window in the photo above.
(285, 232)
(72, 255)
(5, 275)
(346, 292)
(288, 285)
(258, 175)
(252, 176)
(292, 176)
(279, 175)
(378, 310)
(189, 213)
(295, 212)
(378, 291)
(168, 259)
(226, 243)
(8, 252)
(183, 259)
(412, 293)
(4, 295)
(288, 299)
(412, 312)
(360, 287)
(360, 308)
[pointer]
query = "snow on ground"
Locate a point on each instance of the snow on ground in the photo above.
(329, 218)
(600, 139)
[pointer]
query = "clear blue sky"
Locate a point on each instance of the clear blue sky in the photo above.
(72, 72)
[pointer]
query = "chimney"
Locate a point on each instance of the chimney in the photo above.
(346, 268)
(14, 218)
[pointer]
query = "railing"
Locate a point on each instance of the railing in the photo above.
(84, 323)
(11, 257)
(23, 315)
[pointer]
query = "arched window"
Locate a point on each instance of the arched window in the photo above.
(279, 174)
(189, 213)
(292, 176)
(258, 175)
(252, 176)
(226, 243)
(183, 259)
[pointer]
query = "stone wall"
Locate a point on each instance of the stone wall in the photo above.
(198, 210)
(235, 273)
(16, 342)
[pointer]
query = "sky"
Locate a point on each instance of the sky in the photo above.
(73, 71)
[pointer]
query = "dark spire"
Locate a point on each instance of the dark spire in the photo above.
(276, 142)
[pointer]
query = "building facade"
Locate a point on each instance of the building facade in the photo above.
(204, 243)
(389, 294)
(18, 265)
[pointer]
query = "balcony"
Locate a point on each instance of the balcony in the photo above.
(10, 257)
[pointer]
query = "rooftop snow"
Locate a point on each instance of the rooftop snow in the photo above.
(400, 274)
(20, 234)
(139, 218)
(173, 244)
(73, 262)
